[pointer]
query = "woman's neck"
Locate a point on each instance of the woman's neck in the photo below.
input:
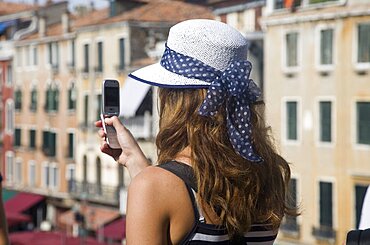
(184, 156)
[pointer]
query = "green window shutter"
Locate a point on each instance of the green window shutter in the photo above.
(292, 49)
(326, 46)
(32, 139)
(86, 58)
(363, 51)
(86, 110)
(17, 137)
(121, 53)
(56, 99)
(52, 144)
(326, 204)
(100, 56)
(71, 145)
(325, 121)
(292, 120)
(363, 123)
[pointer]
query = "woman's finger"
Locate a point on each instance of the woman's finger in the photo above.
(98, 124)
(101, 133)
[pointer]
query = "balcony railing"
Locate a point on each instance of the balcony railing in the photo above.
(140, 126)
(94, 191)
(324, 233)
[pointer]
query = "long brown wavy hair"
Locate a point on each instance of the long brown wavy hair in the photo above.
(239, 192)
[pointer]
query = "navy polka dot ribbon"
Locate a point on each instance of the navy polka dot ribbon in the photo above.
(232, 86)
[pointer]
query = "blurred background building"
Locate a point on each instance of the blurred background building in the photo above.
(311, 58)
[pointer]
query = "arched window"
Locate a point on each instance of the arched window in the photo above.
(72, 96)
(33, 104)
(18, 99)
(52, 98)
(9, 116)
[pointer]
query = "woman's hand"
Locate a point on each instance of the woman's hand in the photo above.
(130, 155)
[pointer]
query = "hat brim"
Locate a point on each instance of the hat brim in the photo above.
(156, 75)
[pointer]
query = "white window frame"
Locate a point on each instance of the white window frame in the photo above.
(358, 66)
(34, 52)
(72, 83)
(19, 57)
(9, 166)
(9, 112)
(70, 54)
(357, 146)
(54, 179)
(325, 67)
(285, 68)
(298, 178)
(317, 131)
(27, 56)
(32, 180)
(127, 50)
(9, 82)
(91, 56)
(43, 177)
(332, 180)
(284, 117)
(99, 39)
(55, 56)
(18, 166)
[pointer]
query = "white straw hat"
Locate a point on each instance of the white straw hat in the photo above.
(212, 42)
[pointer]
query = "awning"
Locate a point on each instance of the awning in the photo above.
(8, 194)
(95, 217)
(47, 238)
(21, 202)
(16, 218)
(116, 230)
(131, 95)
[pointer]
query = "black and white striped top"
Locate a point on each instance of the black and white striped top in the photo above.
(202, 233)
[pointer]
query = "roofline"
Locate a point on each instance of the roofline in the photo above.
(18, 15)
(315, 17)
(47, 39)
(239, 7)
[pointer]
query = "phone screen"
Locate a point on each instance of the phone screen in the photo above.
(111, 96)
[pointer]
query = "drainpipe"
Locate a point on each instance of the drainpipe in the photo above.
(30, 29)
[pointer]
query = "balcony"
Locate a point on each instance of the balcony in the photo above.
(324, 233)
(6, 49)
(140, 126)
(94, 191)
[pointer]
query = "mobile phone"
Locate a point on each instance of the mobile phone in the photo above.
(110, 107)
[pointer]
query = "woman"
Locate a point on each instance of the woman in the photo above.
(219, 179)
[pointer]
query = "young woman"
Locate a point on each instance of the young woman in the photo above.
(219, 179)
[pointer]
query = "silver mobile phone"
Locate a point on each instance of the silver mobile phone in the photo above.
(110, 107)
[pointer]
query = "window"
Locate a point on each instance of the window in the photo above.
(45, 175)
(121, 54)
(34, 55)
(326, 47)
(86, 110)
(9, 113)
(33, 105)
(325, 121)
(72, 55)
(291, 49)
(27, 55)
(360, 191)
(98, 106)
(86, 58)
(9, 163)
(53, 58)
(72, 94)
(98, 176)
(19, 57)
(52, 99)
(363, 123)
(18, 99)
(18, 171)
(32, 138)
(292, 130)
(54, 177)
(99, 68)
(17, 137)
(71, 145)
(32, 173)
(326, 204)
(70, 176)
(363, 52)
(9, 75)
(49, 143)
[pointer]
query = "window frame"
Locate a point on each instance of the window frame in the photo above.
(30, 138)
(318, 141)
(9, 170)
(32, 163)
(291, 69)
(99, 61)
(358, 66)
(54, 182)
(9, 78)
(74, 133)
(354, 129)
(284, 113)
(9, 109)
(325, 67)
(15, 143)
(18, 176)
(72, 88)
(43, 172)
(335, 215)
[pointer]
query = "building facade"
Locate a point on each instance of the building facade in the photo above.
(317, 92)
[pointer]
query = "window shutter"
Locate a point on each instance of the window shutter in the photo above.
(325, 121)
(121, 53)
(292, 120)
(326, 204)
(363, 123)
(363, 52)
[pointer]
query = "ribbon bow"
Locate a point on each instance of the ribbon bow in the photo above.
(235, 87)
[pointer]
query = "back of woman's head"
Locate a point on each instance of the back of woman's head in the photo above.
(240, 192)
